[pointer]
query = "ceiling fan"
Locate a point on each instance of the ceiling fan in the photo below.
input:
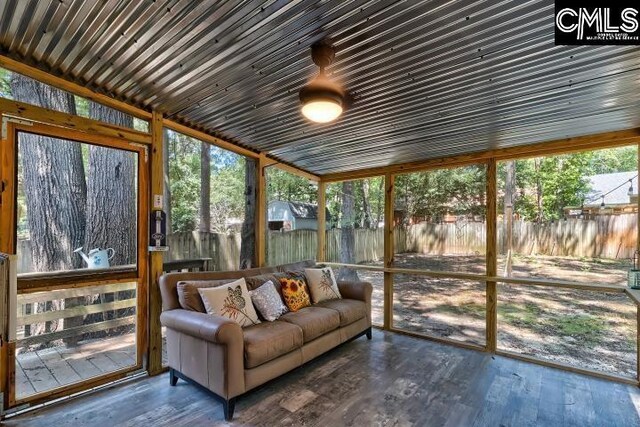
(322, 100)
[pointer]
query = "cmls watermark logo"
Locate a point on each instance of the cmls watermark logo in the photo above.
(584, 23)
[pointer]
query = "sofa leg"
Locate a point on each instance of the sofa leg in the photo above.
(173, 378)
(369, 335)
(229, 406)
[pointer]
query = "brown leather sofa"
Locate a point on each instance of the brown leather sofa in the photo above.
(216, 353)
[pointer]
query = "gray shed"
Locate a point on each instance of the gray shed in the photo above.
(293, 216)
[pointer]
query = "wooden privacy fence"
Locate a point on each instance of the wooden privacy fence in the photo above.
(607, 236)
(223, 249)
(290, 246)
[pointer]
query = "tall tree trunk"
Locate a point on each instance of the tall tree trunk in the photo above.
(167, 182)
(537, 166)
(248, 233)
(112, 202)
(366, 206)
(55, 191)
(380, 202)
(509, 199)
(205, 187)
(347, 235)
(111, 194)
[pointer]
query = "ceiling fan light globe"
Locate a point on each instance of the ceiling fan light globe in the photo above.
(321, 110)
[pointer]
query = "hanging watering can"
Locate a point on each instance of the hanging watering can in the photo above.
(97, 258)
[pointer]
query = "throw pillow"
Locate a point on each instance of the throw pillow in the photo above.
(268, 301)
(322, 284)
(295, 293)
(231, 301)
(189, 297)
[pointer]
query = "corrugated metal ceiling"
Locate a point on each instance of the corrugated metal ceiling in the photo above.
(431, 78)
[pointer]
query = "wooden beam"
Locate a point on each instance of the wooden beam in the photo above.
(560, 284)
(261, 211)
(565, 145)
(491, 258)
(154, 366)
(8, 158)
(218, 142)
(205, 137)
(74, 88)
(34, 113)
(442, 340)
(389, 200)
(294, 170)
(322, 222)
(567, 367)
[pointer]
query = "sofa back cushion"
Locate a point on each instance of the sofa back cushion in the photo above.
(254, 282)
(188, 294)
(169, 281)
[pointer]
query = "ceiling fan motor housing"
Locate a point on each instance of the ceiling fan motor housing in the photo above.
(323, 53)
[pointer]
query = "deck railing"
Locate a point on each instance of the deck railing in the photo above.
(53, 313)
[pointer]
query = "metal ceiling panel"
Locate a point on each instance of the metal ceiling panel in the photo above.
(430, 78)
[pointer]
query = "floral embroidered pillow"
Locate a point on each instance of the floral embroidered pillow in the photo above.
(322, 284)
(268, 301)
(295, 293)
(231, 301)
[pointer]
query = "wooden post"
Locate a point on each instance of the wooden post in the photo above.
(155, 258)
(492, 262)
(7, 245)
(638, 253)
(389, 199)
(261, 213)
(322, 221)
(509, 240)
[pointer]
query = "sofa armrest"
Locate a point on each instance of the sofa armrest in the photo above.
(214, 358)
(356, 290)
(214, 329)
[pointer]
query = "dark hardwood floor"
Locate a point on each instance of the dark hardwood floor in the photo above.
(393, 380)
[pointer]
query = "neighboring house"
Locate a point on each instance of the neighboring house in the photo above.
(294, 216)
(617, 197)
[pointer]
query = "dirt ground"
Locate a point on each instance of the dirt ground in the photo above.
(585, 329)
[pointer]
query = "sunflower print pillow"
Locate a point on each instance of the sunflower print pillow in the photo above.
(295, 293)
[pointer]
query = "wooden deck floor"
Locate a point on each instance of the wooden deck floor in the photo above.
(392, 380)
(43, 370)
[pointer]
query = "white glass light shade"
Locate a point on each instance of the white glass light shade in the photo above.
(322, 110)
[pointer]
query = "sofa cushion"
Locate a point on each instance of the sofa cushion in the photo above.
(350, 310)
(188, 294)
(269, 340)
(314, 321)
